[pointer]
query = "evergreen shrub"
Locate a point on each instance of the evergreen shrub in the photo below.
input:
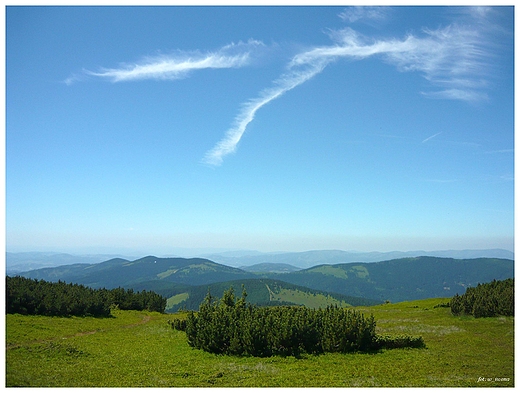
(486, 300)
(40, 297)
(233, 327)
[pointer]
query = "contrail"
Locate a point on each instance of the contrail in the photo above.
(431, 137)
(285, 83)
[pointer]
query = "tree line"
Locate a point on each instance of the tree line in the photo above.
(40, 297)
(234, 327)
(486, 300)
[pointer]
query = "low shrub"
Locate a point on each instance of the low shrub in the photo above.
(39, 297)
(486, 300)
(232, 327)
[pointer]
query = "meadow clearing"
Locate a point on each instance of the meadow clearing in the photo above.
(140, 349)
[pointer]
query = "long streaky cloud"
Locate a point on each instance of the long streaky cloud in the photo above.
(282, 85)
(453, 59)
(178, 65)
(450, 58)
(171, 68)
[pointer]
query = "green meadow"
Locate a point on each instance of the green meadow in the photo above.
(139, 349)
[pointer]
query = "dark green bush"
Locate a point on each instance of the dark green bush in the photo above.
(178, 324)
(230, 326)
(486, 300)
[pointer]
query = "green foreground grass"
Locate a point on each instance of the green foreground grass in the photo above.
(139, 349)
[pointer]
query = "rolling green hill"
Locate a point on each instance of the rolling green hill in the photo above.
(185, 282)
(265, 292)
(402, 279)
(395, 280)
(121, 272)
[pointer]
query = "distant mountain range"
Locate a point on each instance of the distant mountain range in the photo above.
(395, 280)
(308, 259)
(270, 268)
(247, 260)
(121, 272)
(16, 262)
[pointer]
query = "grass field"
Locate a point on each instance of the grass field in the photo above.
(136, 349)
(310, 300)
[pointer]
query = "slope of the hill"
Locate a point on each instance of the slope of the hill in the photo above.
(402, 279)
(121, 272)
(264, 292)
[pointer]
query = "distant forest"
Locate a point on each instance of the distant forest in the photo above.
(39, 297)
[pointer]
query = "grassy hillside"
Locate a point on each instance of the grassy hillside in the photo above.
(403, 279)
(139, 349)
(263, 292)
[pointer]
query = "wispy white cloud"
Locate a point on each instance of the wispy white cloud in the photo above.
(354, 14)
(450, 58)
(500, 151)
(171, 68)
(457, 94)
(178, 65)
(285, 83)
(453, 59)
(73, 79)
(431, 137)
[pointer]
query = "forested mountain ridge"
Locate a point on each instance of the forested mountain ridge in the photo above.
(402, 279)
(395, 280)
(121, 272)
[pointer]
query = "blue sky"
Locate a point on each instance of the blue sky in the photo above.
(146, 130)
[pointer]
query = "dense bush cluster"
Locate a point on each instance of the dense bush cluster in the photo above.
(486, 300)
(39, 297)
(232, 327)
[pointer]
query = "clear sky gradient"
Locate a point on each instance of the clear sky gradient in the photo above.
(267, 128)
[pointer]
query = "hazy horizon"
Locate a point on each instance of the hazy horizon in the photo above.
(192, 252)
